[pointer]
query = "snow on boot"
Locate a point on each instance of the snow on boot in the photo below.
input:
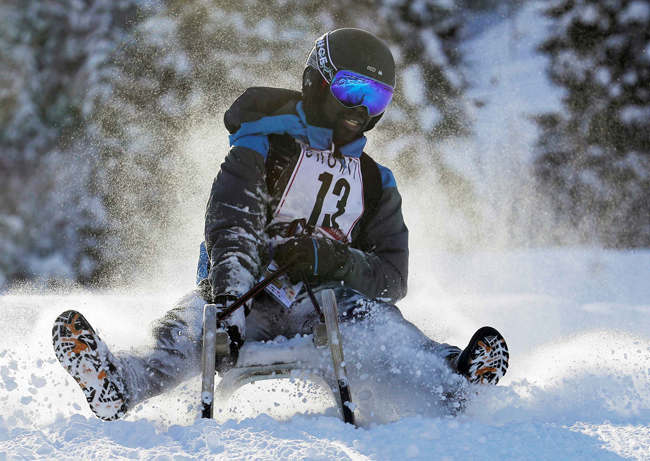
(85, 356)
(485, 359)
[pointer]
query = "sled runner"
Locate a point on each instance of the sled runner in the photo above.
(281, 361)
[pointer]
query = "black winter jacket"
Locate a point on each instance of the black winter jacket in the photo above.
(269, 134)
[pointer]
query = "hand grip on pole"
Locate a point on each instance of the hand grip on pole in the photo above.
(257, 289)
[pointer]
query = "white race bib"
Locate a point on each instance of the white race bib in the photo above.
(324, 190)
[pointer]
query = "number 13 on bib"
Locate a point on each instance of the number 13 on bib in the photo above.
(326, 191)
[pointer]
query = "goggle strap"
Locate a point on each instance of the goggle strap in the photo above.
(324, 62)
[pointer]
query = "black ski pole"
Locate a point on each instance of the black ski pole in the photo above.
(257, 289)
(313, 299)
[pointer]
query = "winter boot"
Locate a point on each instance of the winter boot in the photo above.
(85, 356)
(485, 359)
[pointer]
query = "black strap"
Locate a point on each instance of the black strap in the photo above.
(254, 291)
(313, 299)
(372, 187)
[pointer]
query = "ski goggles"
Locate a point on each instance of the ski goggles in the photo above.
(354, 90)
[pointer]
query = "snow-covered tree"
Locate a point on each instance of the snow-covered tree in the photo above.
(429, 106)
(427, 35)
(54, 64)
(595, 156)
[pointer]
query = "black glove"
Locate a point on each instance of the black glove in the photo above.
(317, 259)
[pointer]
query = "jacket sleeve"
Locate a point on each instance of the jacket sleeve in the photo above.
(377, 265)
(234, 219)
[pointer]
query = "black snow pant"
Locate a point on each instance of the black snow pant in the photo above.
(378, 339)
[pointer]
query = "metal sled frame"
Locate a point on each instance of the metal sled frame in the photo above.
(246, 371)
(237, 377)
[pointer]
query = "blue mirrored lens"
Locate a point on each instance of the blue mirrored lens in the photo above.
(353, 90)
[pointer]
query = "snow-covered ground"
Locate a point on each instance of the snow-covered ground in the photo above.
(577, 323)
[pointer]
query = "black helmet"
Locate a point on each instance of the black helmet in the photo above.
(350, 49)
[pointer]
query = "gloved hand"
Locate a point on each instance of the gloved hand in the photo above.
(315, 258)
(235, 327)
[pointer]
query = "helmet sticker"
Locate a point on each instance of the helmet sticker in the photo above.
(325, 64)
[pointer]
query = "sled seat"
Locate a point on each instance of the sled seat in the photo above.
(306, 358)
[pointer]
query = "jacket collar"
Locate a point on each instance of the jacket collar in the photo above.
(296, 125)
(321, 138)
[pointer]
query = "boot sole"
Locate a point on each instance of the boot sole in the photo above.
(488, 357)
(85, 356)
(489, 360)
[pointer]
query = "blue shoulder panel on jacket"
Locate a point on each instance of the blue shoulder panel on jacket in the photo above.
(258, 143)
(387, 178)
(286, 123)
(254, 135)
